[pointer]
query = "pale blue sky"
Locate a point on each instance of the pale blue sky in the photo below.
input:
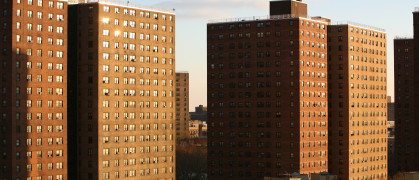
(192, 16)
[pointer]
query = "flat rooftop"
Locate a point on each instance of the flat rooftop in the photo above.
(126, 4)
(260, 18)
(337, 23)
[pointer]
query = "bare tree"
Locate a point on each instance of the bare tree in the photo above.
(191, 162)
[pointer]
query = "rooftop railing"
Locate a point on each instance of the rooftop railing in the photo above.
(123, 3)
(359, 25)
(256, 18)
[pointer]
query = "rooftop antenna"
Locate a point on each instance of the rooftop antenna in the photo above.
(127, 3)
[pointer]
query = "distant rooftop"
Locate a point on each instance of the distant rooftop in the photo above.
(259, 18)
(403, 37)
(358, 25)
(301, 1)
(126, 4)
(416, 9)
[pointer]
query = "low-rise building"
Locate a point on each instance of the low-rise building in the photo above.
(323, 176)
(197, 128)
(199, 114)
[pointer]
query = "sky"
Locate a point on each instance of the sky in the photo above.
(192, 17)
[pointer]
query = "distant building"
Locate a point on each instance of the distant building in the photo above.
(197, 128)
(182, 105)
(323, 176)
(293, 176)
(391, 156)
(390, 116)
(199, 114)
(406, 77)
(390, 140)
(410, 176)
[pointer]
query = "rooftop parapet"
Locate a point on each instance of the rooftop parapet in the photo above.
(403, 37)
(358, 25)
(260, 18)
(126, 4)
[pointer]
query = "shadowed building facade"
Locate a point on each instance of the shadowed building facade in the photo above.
(267, 95)
(182, 105)
(33, 125)
(406, 66)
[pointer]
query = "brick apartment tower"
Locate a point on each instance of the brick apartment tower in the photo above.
(34, 91)
(125, 71)
(182, 105)
(406, 58)
(267, 94)
(357, 101)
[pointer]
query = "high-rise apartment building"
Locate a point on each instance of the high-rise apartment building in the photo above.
(125, 62)
(33, 97)
(267, 94)
(406, 55)
(182, 105)
(357, 101)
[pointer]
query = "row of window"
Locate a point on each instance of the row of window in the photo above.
(267, 34)
(58, 103)
(365, 32)
(50, 66)
(133, 12)
(39, 27)
(59, 128)
(40, 15)
(143, 172)
(59, 91)
(132, 70)
(58, 165)
(132, 58)
(373, 176)
(268, 24)
(142, 139)
(58, 54)
(58, 116)
(132, 115)
(266, 54)
(320, 84)
(29, 39)
(106, 44)
(58, 153)
(133, 104)
(364, 41)
(132, 24)
(58, 79)
(59, 5)
(50, 141)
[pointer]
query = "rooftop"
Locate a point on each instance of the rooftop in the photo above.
(301, 1)
(402, 37)
(259, 18)
(126, 4)
(358, 25)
